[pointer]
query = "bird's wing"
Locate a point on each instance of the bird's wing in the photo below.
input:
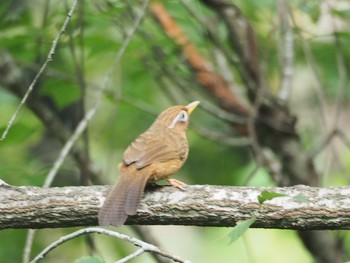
(147, 149)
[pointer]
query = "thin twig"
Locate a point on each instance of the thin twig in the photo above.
(28, 245)
(319, 86)
(286, 50)
(43, 67)
(67, 147)
(139, 104)
(131, 256)
(341, 65)
(327, 139)
(222, 137)
(143, 245)
(146, 234)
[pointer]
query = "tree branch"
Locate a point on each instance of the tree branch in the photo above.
(144, 247)
(302, 207)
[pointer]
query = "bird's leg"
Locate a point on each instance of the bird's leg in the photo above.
(176, 183)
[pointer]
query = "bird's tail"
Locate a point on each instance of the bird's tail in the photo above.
(124, 198)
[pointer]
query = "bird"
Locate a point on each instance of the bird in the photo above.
(154, 155)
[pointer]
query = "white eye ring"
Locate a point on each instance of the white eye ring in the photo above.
(182, 116)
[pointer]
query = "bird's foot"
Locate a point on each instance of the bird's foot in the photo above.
(176, 183)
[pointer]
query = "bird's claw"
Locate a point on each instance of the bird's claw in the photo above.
(176, 183)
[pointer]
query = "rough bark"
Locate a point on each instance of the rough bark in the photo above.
(302, 207)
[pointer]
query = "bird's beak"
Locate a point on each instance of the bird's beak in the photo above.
(190, 107)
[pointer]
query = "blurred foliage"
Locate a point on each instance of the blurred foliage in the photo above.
(240, 229)
(134, 98)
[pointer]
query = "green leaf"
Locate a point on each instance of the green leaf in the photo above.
(267, 195)
(89, 260)
(240, 229)
(301, 198)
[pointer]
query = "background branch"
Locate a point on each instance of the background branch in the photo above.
(144, 246)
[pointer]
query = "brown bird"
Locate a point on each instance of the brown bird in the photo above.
(156, 154)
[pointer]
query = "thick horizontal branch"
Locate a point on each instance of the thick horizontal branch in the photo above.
(302, 207)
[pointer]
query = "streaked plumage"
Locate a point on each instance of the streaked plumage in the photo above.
(156, 154)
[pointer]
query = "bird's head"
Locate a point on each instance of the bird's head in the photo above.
(176, 117)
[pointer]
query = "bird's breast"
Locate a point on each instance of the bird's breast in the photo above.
(163, 170)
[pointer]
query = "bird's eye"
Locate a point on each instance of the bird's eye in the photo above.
(182, 116)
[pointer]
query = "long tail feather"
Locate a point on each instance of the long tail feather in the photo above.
(124, 198)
